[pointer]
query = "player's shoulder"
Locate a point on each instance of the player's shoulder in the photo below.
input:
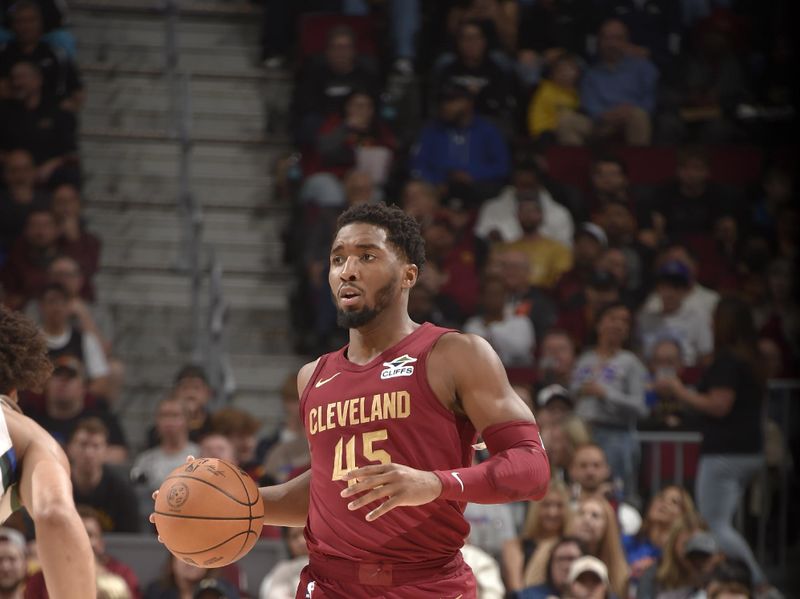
(461, 349)
(305, 373)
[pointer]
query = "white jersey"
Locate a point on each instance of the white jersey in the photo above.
(9, 470)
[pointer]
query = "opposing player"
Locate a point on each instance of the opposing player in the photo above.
(390, 420)
(35, 471)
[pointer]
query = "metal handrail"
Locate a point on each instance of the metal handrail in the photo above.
(783, 390)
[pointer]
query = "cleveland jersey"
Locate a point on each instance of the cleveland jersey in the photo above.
(381, 412)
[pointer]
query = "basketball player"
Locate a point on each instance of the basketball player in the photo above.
(391, 419)
(35, 471)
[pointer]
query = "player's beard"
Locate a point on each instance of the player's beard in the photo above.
(8, 587)
(358, 318)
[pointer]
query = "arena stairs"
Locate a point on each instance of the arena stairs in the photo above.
(131, 162)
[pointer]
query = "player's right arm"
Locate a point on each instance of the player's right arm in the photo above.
(287, 504)
(46, 492)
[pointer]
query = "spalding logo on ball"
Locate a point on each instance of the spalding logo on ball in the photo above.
(209, 513)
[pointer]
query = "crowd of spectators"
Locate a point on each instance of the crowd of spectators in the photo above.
(575, 171)
(605, 189)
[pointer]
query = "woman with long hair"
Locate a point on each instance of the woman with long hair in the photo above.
(596, 525)
(562, 552)
(609, 382)
(669, 505)
(547, 520)
(729, 398)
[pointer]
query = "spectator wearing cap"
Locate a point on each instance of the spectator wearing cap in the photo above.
(13, 564)
(549, 259)
(65, 405)
(474, 68)
(554, 405)
(19, 197)
(61, 80)
(325, 82)
(497, 219)
(191, 387)
(153, 465)
(677, 320)
(523, 299)
(510, 335)
(699, 298)
(95, 483)
(589, 243)
(64, 339)
(459, 151)
(588, 579)
(619, 91)
(578, 321)
(29, 121)
(609, 384)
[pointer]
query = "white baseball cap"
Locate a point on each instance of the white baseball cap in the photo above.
(587, 563)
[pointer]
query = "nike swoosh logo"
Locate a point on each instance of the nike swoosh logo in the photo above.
(328, 380)
(458, 478)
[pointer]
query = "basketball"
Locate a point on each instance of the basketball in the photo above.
(209, 513)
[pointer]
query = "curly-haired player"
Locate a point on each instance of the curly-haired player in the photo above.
(35, 471)
(391, 419)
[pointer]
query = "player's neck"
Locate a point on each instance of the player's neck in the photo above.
(371, 340)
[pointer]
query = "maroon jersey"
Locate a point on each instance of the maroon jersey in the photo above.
(381, 412)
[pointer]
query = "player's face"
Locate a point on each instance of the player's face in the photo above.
(12, 567)
(366, 274)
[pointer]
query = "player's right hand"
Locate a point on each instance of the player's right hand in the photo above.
(152, 517)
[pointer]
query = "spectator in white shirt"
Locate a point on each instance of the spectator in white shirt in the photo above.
(498, 221)
(172, 424)
(677, 319)
(510, 335)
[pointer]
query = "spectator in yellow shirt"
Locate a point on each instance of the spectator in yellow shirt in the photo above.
(548, 258)
(553, 109)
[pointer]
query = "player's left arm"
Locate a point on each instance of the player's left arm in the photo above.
(467, 375)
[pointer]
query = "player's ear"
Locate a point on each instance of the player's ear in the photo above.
(410, 274)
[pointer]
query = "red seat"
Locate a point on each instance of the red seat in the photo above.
(314, 28)
(736, 165)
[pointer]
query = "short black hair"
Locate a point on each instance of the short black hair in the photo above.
(598, 159)
(402, 231)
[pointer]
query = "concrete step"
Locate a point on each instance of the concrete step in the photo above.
(224, 229)
(163, 256)
(142, 330)
(202, 124)
(126, 192)
(130, 288)
(225, 162)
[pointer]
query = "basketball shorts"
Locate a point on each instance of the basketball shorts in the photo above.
(340, 581)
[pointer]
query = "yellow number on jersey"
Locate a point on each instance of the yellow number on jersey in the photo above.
(346, 452)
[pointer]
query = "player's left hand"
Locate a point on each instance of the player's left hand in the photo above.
(400, 485)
